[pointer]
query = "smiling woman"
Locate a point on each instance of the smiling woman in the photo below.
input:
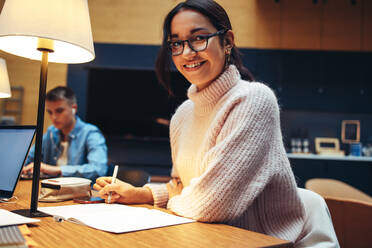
(198, 41)
(229, 164)
(200, 67)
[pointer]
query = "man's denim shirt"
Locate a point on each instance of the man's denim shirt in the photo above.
(87, 152)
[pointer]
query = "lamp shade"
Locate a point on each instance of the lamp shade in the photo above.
(65, 22)
(4, 80)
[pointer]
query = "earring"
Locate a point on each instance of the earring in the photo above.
(227, 57)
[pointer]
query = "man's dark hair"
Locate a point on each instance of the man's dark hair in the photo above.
(61, 93)
(219, 19)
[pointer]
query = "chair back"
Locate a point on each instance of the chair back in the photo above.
(327, 187)
(353, 222)
(351, 211)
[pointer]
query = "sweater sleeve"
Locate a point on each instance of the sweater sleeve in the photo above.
(159, 193)
(237, 169)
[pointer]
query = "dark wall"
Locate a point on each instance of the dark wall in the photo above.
(111, 56)
(356, 173)
(316, 80)
(133, 103)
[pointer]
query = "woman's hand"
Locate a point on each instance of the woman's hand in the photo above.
(174, 187)
(122, 192)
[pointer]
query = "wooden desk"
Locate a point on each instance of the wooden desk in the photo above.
(48, 233)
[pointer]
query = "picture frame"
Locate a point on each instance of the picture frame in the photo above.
(350, 131)
(328, 146)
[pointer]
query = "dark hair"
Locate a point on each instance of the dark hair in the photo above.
(61, 93)
(219, 19)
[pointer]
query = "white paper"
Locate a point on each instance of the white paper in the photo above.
(9, 218)
(116, 218)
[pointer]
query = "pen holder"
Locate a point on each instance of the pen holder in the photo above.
(64, 188)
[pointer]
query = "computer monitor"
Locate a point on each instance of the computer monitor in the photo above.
(15, 142)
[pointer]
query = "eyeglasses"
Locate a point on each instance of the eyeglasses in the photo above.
(197, 43)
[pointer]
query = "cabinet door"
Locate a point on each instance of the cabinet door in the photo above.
(342, 22)
(242, 16)
(367, 26)
(268, 23)
(300, 25)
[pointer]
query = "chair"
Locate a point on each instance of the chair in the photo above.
(351, 211)
(334, 188)
(318, 231)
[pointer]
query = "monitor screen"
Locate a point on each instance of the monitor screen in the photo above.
(15, 142)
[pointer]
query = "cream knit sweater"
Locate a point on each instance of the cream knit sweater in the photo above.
(227, 150)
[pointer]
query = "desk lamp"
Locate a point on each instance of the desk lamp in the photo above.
(4, 80)
(55, 31)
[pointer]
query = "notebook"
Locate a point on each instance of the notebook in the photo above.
(11, 236)
(115, 218)
(8, 218)
(15, 142)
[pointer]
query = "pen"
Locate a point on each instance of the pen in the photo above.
(112, 181)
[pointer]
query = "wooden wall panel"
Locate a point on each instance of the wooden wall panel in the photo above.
(243, 19)
(367, 26)
(291, 24)
(268, 24)
(140, 21)
(300, 28)
(341, 28)
(128, 21)
(26, 73)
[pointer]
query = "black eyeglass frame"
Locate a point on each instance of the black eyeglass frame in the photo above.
(207, 37)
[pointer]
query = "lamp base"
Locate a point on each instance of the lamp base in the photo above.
(27, 213)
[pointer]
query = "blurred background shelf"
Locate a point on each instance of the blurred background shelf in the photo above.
(330, 157)
(11, 108)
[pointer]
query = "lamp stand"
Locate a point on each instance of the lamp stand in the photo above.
(32, 212)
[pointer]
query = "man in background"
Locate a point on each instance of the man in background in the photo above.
(71, 147)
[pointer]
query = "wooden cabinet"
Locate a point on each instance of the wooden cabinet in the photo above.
(336, 25)
(341, 25)
(367, 26)
(242, 16)
(300, 24)
(268, 13)
(269, 24)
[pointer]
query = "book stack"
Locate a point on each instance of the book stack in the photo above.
(11, 236)
(12, 232)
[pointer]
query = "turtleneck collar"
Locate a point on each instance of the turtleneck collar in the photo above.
(205, 99)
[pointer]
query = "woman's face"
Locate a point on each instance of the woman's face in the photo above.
(199, 68)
